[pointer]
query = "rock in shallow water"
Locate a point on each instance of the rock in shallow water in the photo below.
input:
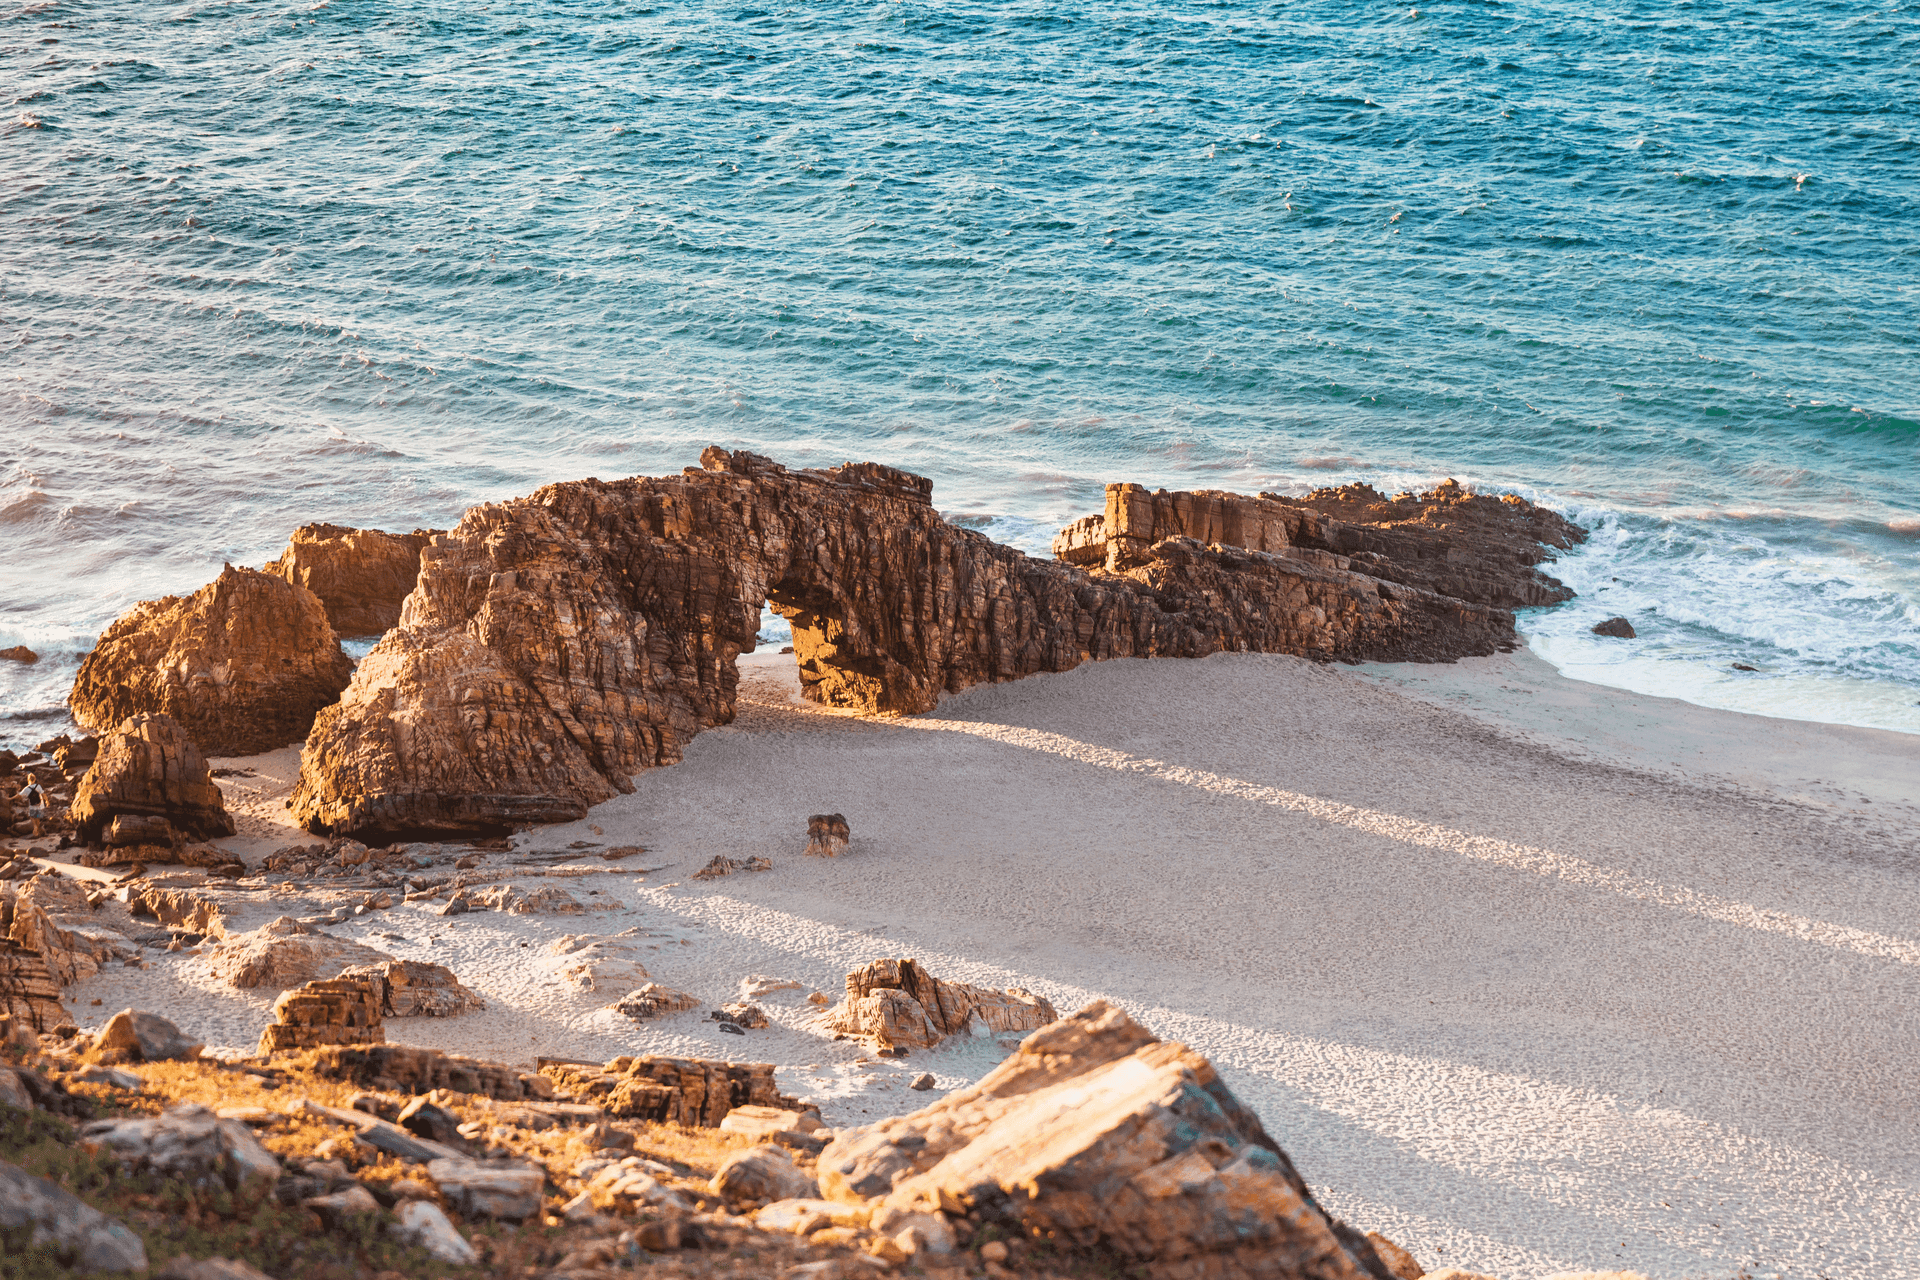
(1617, 628)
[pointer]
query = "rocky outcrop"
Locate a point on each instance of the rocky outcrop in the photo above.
(558, 644)
(285, 953)
(327, 1011)
(1615, 628)
(57, 1228)
(895, 1004)
(1468, 546)
(689, 1091)
(242, 664)
(146, 768)
(191, 1143)
(1099, 1138)
(654, 1001)
(401, 1068)
(360, 576)
(28, 993)
(133, 1035)
(52, 915)
(827, 835)
(417, 989)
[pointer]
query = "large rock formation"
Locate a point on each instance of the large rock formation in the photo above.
(689, 1091)
(242, 664)
(285, 953)
(556, 645)
(360, 575)
(896, 1004)
(1468, 546)
(1099, 1138)
(28, 992)
(146, 768)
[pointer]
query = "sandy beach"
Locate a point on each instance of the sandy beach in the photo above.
(1529, 975)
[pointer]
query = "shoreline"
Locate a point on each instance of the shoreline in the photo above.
(1503, 1064)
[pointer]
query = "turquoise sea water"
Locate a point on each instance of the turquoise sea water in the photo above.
(1656, 264)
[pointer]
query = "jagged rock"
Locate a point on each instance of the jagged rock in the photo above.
(895, 1004)
(424, 1223)
(721, 865)
(601, 964)
(417, 989)
(147, 768)
(742, 1014)
(489, 1189)
(401, 1068)
(1616, 628)
(1099, 1137)
(654, 1001)
(827, 835)
(1399, 1263)
(285, 953)
(242, 664)
(19, 653)
(558, 644)
(545, 900)
(762, 1173)
(1473, 547)
(689, 1091)
(50, 914)
(63, 1230)
(177, 909)
(193, 1143)
(623, 1184)
(360, 576)
(326, 1011)
(145, 1037)
(1458, 1273)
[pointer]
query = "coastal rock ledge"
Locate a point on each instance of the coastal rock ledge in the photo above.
(555, 645)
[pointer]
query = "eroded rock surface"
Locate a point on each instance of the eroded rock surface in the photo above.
(147, 768)
(285, 953)
(896, 1004)
(558, 644)
(417, 989)
(689, 1091)
(241, 664)
(1099, 1137)
(360, 576)
(28, 993)
(326, 1011)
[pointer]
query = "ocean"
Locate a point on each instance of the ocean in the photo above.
(1656, 265)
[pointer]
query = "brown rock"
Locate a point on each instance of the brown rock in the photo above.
(1615, 628)
(654, 1001)
(242, 664)
(286, 953)
(1399, 1263)
(545, 900)
(558, 644)
(360, 576)
(137, 1036)
(19, 653)
(895, 1004)
(689, 1091)
(1098, 1137)
(147, 769)
(827, 835)
(177, 909)
(417, 989)
(48, 914)
(763, 1173)
(28, 993)
(408, 1069)
(329, 1011)
(721, 865)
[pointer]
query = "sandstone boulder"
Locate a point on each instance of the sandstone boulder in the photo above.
(654, 1001)
(1106, 1140)
(28, 993)
(896, 1004)
(400, 1068)
(286, 953)
(326, 1011)
(177, 908)
(147, 769)
(556, 645)
(61, 1229)
(138, 1036)
(489, 1189)
(49, 913)
(764, 1173)
(360, 576)
(827, 835)
(417, 989)
(591, 964)
(696, 1092)
(545, 900)
(721, 865)
(242, 664)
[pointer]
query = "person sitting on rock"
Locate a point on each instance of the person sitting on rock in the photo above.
(36, 798)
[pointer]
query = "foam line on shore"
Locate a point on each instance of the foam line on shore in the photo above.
(1411, 831)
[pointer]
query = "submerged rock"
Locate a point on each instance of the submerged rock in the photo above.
(360, 576)
(1616, 628)
(556, 645)
(147, 770)
(242, 664)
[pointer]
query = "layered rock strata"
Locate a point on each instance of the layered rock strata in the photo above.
(896, 1004)
(285, 953)
(328, 1011)
(1099, 1138)
(147, 769)
(242, 664)
(690, 1091)
(558, 644)
(360, 576)
(400, 1068)
(28, 993)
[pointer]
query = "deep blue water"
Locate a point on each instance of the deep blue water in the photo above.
(267, 263)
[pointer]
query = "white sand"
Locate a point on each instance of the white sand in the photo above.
(1509, 985)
